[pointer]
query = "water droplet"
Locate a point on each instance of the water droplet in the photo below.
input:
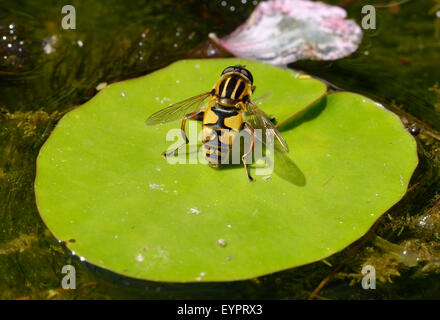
(82, 259)
(194, 210)
(414, 131)
(222, 243)
(201, 275)
(101, 86)
(423, 221)
(80, 43)
(140, 257)
(154, 186)
(123, 93)
(224, 3)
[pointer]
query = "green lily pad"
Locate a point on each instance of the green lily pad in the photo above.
(103, 187)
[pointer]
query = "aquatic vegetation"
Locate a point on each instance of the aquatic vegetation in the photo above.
(23, 242)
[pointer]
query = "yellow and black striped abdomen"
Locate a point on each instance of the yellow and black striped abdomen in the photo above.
(220, 126)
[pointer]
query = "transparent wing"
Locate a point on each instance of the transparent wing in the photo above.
(178, 111)
(258, 120)
(262, 97)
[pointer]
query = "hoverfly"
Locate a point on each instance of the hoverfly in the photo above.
(228, 111)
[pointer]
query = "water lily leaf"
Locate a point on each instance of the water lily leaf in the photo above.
(103, 187)
(283, 31)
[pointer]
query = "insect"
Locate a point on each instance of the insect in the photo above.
(225, 111)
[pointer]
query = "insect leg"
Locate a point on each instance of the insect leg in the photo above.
(251, 131)
(195, 116)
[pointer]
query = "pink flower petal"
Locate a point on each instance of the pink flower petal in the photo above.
(283, 31)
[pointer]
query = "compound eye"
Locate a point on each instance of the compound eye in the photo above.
(229, 69)
(247, 74)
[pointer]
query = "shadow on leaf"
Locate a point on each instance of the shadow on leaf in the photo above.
(304, 115)
(284, 166)
(286, 169)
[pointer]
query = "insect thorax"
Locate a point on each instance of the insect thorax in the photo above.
(232, 88)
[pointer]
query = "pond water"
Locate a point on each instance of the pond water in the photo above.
(45, 71)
